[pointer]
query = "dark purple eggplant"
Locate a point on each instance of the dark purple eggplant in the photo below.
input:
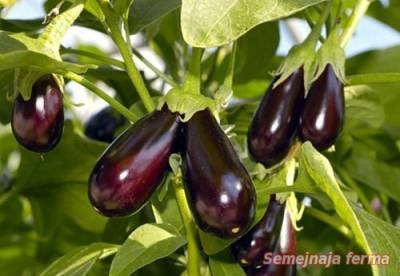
(38, 123)
(249, 250)
(103, 125)
(273, 128)
(323, 113)
(285, 246)
(132, 167)
(219, 190)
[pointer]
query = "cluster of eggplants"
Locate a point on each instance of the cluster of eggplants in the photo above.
(38, 123)
(219, 190)
(273, 234)
(103, 125)
(283, 111)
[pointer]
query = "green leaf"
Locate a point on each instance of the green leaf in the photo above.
(364, 111)
(39, 64)
(49, 40)
(56, 180)
(223, 264)
(320, 170)
(255, 60)
(144, 12)
(383, 238)
(81, 260)
(145, 245)
(17, 26)
(376, 174)
(388, 14)
(208, 23)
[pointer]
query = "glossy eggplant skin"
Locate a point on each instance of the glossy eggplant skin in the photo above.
(219, 189)
(38, 123)
(286, 245)
(132, 167)
(249, 250)
(323, 114)
(273, 128)
(102, 125)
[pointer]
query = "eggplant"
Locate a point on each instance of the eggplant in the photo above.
(38, 123)
(219, 189)
(323, 115)
(285, 246)
(103, 125)
(273, 128)
(249, 250)
(132, 167)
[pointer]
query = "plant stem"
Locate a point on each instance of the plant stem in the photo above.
(359, 10)
(192, 79)
(330, 220)
(98, 57)
(313, 38)
(110, 100)
(126, 53)
(193, 263)
(372, 78)
(158, 72)
(104, 60)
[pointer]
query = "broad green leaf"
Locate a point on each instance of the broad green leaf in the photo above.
(255, 60)
(39, 62)
(208, 23)
(376, 174)
(81, 260)
(17, 25)
(144, 12)
(388, 14)
(57, 180)
(145, 245)
(363, 113)
(381, 61)
(383, 238)
(320, 170)
(223, 264)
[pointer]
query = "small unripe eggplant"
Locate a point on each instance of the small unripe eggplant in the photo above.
(132, 167)
(285, 246)
(38, 123)
(323, 113)
(249, 250)
(219, 189)
(273, 128)
(103, 125)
